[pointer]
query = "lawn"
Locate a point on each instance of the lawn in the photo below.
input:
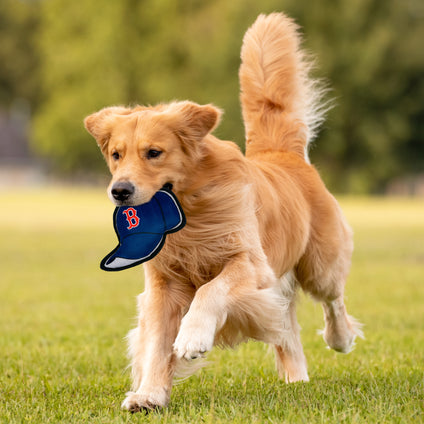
(63, 322)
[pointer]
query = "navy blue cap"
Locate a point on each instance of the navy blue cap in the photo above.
(142, 229)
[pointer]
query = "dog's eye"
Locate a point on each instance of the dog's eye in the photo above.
(152, 154)
(115, 155)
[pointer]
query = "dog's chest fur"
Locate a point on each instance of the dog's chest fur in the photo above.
(215, 232)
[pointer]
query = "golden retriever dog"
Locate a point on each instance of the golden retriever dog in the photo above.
(259, 225)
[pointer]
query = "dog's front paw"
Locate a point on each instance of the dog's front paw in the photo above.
(147, 401)
(194, 340)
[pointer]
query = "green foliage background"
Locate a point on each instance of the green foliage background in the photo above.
(68, 59)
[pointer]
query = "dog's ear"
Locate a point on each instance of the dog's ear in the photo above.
(193, 121)
(100, 124)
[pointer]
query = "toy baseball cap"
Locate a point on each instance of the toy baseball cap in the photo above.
(142, 229)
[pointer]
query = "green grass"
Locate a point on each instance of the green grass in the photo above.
(63, 322)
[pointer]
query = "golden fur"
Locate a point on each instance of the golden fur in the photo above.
(258, 226)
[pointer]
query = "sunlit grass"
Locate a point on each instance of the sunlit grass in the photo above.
(63, 321)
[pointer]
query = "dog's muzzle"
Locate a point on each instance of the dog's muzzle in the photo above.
(122, 190)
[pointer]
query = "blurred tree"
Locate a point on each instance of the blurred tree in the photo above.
(146, 51)
(79, 69)
(369, 50)
(19, 77)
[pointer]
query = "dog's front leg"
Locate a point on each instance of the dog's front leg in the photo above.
(151, 344)
(207, 314)
(241, 280)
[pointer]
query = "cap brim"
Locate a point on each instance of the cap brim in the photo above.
(132, 251)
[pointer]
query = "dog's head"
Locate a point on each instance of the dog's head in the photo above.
(147, 147)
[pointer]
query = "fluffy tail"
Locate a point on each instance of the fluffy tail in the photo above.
(280, 102)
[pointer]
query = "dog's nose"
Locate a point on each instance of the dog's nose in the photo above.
(122, 190)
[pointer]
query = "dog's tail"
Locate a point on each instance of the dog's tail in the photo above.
(280, 102)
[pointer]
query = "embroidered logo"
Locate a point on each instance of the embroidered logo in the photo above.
(132, 218)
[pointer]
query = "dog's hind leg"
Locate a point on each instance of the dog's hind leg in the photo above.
(290, 359)
(340, 329)
(322, 272)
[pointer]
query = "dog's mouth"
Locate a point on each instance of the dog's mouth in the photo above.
(124, 193)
